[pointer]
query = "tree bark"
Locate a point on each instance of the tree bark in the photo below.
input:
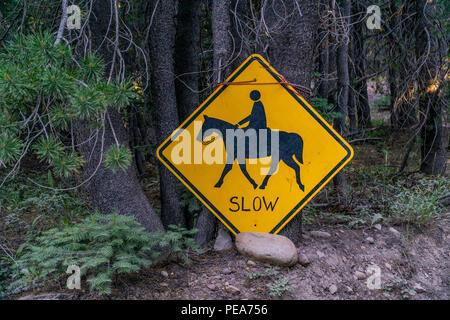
(433, 152)
(108, 190)
(352, 94)
(343, 87)
(187, 50)
(221, 24)
(332, 83)
(162, 42)
(187, 67)
(402, 108)
(221, 39)
(352, 110)
(206, 226)
(323, 88)
(361, 95)
(289, 48)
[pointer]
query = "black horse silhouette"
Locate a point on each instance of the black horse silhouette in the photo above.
(290, 145)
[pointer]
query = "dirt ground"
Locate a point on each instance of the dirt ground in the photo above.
(414, 264)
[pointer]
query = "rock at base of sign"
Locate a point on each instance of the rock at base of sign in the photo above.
(265, 247)
(223, 240)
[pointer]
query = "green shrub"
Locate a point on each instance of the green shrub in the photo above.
(420, 203)
(254, 275)
(325, 109)
(399, 286)
(189, 201)
(19, 196)
(175, 239)
(101, 245)
(4, 273)
(279, 287)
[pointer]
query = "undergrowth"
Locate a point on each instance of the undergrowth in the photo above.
(277, 286)
(20, 198)
(102, 246)
(377, 195)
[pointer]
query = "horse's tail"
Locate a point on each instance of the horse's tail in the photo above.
(299, 149)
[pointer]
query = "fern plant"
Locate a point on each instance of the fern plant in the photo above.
(176, 239)
(188, 201)
(103, 246)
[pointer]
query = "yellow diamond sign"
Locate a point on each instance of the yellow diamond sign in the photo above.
(255, 152)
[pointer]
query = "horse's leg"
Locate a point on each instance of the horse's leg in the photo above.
(244, 171)
(272, 170)
(291, 163)
(227, 169)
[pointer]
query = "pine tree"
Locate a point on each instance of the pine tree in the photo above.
(42, 92)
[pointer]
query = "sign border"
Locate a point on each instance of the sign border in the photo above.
(301, 101)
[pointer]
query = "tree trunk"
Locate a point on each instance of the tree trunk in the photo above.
(352, 92)
(403, 109)
(292, 41)
(361, 95)
(332, 56)
(323, 88)
(292, 27)
(394, 91)
(108, 190)
(162, 42)
(222, 54)
(221, 39)
(352, 110)
(187, 67)
(433, 152)
(332, 83)
(187, 50)
(343, 86)
(206, 225)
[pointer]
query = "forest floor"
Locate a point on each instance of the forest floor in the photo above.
(414, 264)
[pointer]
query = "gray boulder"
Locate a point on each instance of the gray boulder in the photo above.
(265, 247)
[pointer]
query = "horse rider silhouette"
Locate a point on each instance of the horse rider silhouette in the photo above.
(257, 118)
(290, 144)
